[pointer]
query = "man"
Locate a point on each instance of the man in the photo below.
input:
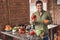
(41, 20)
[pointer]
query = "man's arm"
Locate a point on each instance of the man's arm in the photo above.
(32, 21)
(49, 18)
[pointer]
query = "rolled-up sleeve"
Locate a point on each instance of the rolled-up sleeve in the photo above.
(49, 17)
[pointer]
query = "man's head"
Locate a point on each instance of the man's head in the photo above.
(39, 5)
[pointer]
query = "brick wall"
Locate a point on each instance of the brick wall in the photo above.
(14, 12)
(19, 11)
(54, 9)
(3, 14)
(57, 12)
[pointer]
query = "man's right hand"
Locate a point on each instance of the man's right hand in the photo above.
(33, 20)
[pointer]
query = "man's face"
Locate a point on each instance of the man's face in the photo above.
(39, 6)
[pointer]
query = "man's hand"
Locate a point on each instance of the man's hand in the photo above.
(46, 21)
(33, 18)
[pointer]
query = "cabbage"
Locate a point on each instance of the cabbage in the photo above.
(38, 32)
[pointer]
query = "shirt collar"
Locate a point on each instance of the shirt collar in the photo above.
(42, 12)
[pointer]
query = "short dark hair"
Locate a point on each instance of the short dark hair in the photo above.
(37, 2)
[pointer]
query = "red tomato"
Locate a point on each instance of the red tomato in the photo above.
(33, 17)
(22, 28)
(32, 33)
